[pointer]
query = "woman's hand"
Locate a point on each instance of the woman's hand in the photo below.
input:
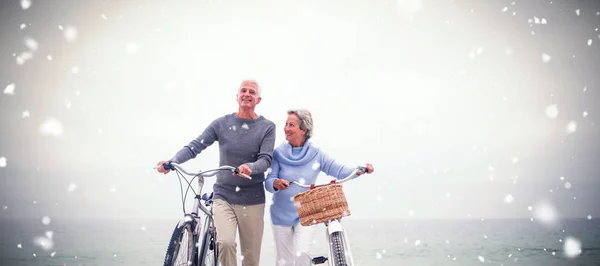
(281, 184)
(370, 169)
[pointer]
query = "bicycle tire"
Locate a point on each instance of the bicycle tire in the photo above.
(337, 245)
(209, 255)
(184, 233)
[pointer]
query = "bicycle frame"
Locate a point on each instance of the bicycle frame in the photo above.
(198, 208)
(335, 226)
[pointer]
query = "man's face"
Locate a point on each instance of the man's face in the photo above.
(247, 97)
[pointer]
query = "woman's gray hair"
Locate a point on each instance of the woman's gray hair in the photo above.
(306, 122)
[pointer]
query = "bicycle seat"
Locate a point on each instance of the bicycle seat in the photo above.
(207, 199)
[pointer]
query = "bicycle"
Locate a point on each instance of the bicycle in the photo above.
(310, 206)
(185, 247)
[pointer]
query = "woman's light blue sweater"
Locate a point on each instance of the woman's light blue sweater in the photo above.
(301, 164)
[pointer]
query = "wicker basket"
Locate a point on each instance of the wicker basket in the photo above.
(321, 204)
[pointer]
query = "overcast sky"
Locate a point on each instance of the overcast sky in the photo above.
(475, 109)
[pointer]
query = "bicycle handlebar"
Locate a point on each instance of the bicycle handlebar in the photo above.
(207, 173)
(360, 168)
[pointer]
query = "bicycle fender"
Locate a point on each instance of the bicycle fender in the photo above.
(334, 226)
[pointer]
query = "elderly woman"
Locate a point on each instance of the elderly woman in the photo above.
(297, 160)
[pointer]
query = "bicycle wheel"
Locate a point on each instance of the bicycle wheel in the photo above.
(182, 250)
(337, 246)
(209, 256)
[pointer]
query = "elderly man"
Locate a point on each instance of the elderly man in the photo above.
(246, 139)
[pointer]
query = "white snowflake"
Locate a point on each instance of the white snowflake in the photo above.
(577, 12)
(411, 212)
(46, 220)
(543, 21)
(44, 242)
(571, 127)
(589, 42)
(481, 258)
(589, 216)
(71, 187)
(31, 43)
(418, 242)
(545, 213)
(316, 165)
(132, 47)
(6, 207)
(552, 111)
(143, 228)
(23, 57)
(585, 113)
(70, 33)
(10, 89)
(23, 25)
(378, 255)
(567, 185)
(75, 70)
(572, 247)
(25, 4)
(529, 208)
(546, 58)
(245, 126)
(49, 57)
(2, 161)
(505, 9)
(51, 127)
(103, 16)
(509, 198)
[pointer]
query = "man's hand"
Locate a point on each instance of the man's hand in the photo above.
(281, 184)
(161, 169)
(245, 170)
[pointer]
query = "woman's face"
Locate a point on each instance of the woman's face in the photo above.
(292, 130)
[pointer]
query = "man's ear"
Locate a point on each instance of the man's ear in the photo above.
(258, 100)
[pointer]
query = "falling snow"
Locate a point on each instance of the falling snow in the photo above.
(46, 220)
(481, 258)
(245, 126)
(552, 111)
(70, 33)
(509, 198)
(51, 127)
(31, 44)
(577, 12)
(572, 247)
(9, 89)
(316, 165)
(571, 127)
(25, 4)
(237, 188)
(2, 162)
(545, 213)
(546, 58)
(589, 216)
(567, 185)
(589, 42)
(132, 48)
(71, 187)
